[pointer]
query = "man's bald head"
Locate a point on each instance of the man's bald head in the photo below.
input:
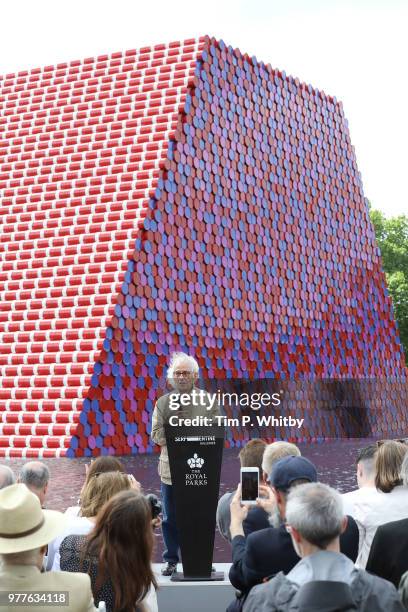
(7, 477)
(35, 475)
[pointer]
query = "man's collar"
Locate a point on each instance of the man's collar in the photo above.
(20, 570)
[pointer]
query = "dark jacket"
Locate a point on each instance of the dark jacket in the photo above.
(267, 552)
(256, 519)
(388, 556)
(366, 593)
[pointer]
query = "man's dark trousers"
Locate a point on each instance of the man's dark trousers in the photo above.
(169, 526)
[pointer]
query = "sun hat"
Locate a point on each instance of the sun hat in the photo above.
(24, 525)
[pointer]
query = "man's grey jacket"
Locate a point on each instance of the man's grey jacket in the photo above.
(361, 591)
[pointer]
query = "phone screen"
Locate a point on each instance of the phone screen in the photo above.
(249, 481)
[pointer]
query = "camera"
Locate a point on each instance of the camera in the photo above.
(155, 504)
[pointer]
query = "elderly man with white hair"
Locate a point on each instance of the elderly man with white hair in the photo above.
(35, 475)
(7, 477)
(324, 580)
(182, 375)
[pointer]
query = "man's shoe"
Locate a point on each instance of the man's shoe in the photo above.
(169, 569)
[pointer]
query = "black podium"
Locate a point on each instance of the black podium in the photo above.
(195, 456)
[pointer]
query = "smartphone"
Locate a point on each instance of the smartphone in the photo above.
(249, 485)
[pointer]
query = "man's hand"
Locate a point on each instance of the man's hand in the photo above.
(156, 522)
(267, 501)
(87, 466)
(238, 514)
(134, 484)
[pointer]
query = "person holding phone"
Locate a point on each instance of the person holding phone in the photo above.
(269, 551)
(249, 485)
(323, 579)
(255, 453)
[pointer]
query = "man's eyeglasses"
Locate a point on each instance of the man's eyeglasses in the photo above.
(180, 373)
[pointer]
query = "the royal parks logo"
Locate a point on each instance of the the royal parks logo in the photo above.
(195, 461)
(195, 477)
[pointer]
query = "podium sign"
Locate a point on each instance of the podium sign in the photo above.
(195, 456)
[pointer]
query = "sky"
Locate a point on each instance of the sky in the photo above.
(356, 50)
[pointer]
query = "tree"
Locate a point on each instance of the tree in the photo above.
(392, 239)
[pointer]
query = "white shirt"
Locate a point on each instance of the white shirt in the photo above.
(371, 508)
(360, 497)
(150, 601)
(73, 510)
(77, 525)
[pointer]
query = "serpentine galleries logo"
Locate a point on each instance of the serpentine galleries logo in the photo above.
(195, 477)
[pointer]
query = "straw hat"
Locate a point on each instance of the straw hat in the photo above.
(24, 525)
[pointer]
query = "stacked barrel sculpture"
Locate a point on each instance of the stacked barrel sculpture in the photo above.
(183, 197)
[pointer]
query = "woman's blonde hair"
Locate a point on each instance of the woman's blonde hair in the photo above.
(388, 462)
(99, 489)
(104, 463)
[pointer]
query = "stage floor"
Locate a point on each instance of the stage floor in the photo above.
(335, 462)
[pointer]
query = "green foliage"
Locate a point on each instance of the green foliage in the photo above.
(392, 239)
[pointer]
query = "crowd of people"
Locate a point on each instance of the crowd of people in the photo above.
(306, 547)
(303, 546)
(98, 553)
